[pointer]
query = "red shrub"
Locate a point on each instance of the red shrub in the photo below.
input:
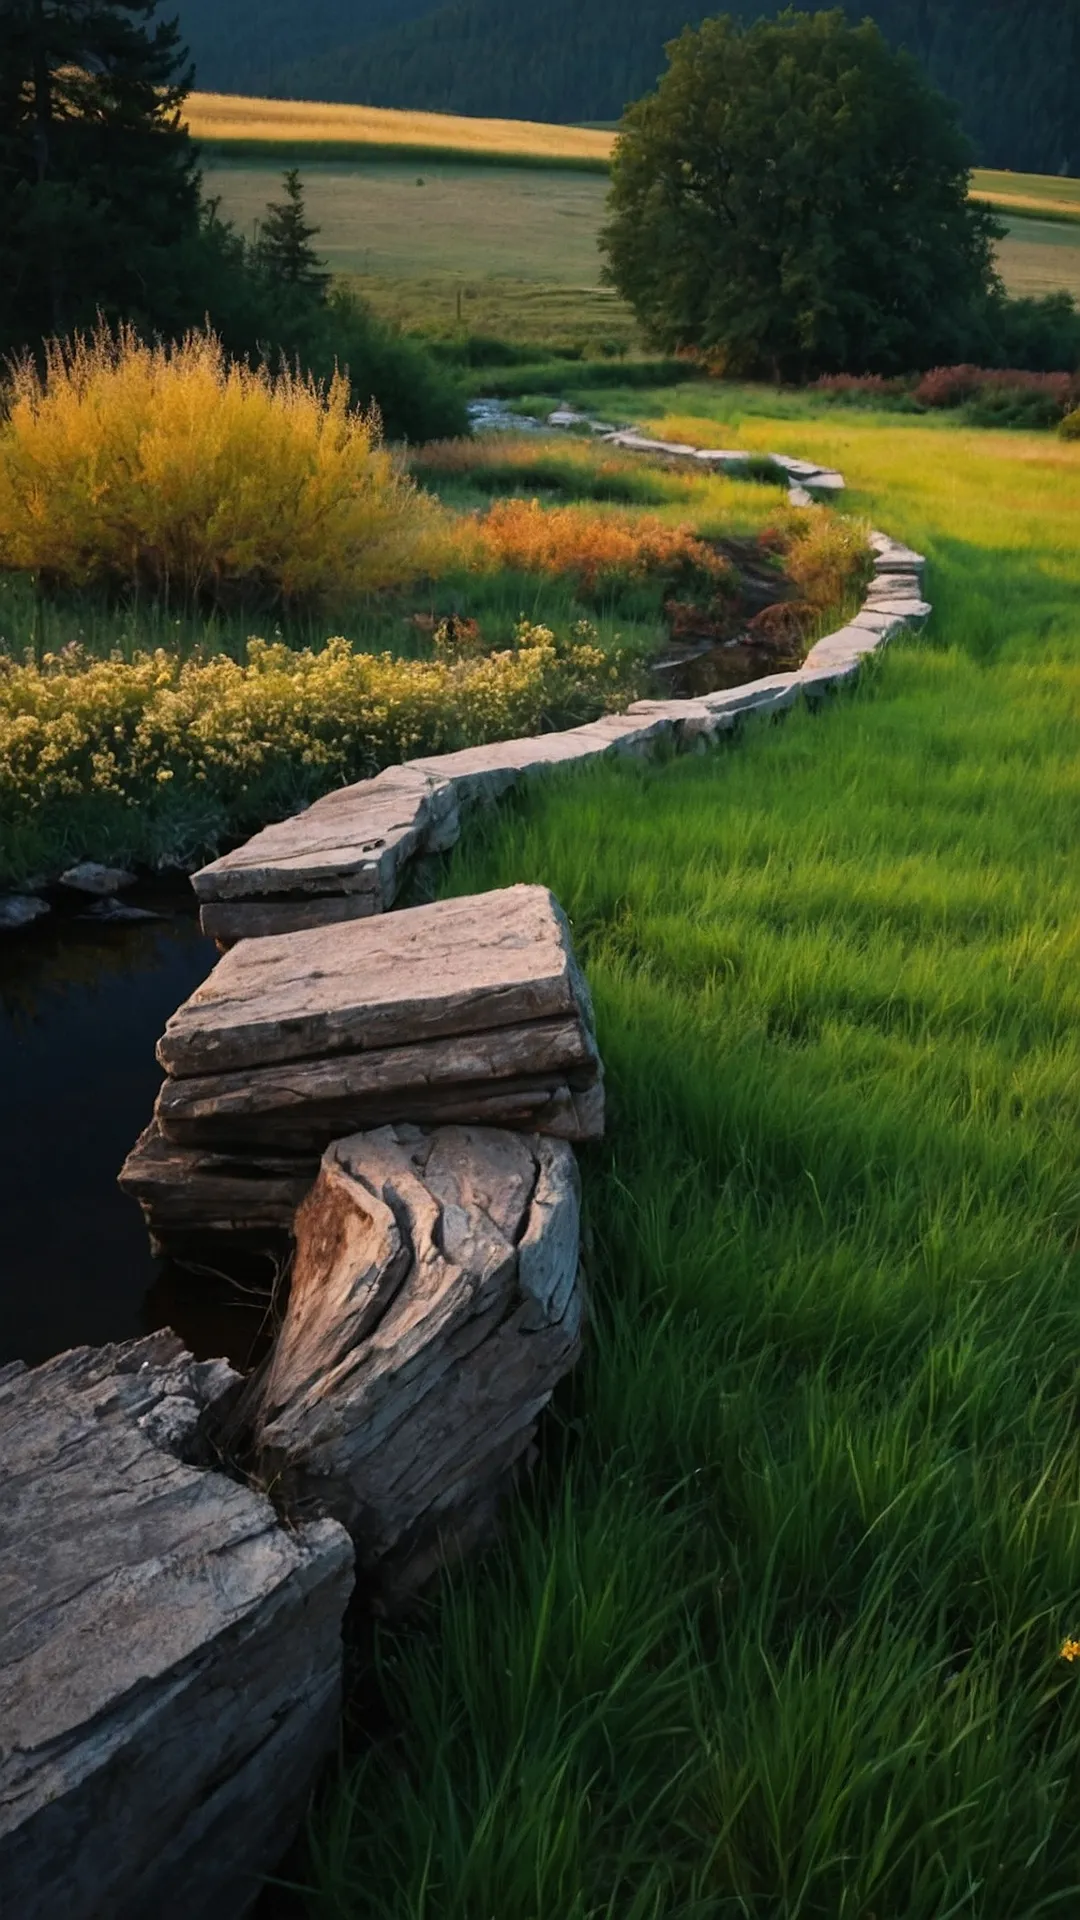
(871, 384)
(952, 386)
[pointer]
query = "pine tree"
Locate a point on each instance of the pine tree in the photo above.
(98, 180)
(283, 250)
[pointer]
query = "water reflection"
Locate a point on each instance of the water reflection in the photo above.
(81, 1006)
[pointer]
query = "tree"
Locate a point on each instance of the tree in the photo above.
(98, 184)
(792, 200)
(283, 250)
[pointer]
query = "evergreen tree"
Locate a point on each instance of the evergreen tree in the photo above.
(283, 250)
(99, 192)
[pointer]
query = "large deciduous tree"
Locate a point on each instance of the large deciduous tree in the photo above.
(99, 191)
(792, 200)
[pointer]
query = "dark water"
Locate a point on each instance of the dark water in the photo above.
(81, 1006)
(692, 671)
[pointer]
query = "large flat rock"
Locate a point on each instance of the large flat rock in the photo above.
(434, 1305)
(170, 1655)
(460, 966)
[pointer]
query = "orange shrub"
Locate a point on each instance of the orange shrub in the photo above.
(592, 547)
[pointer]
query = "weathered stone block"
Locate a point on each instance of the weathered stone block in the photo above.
(170, 1655)
(434, 1305)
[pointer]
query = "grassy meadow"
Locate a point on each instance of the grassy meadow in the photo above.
(442, 246)
(776, 1630)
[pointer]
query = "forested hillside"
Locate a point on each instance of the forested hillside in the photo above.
(1013, 65)
(248, 46)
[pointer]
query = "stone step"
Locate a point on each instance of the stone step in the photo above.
(343, 858)
(457, 967)
(523, 1075)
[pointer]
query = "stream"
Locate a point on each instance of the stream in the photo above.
(82, 1003)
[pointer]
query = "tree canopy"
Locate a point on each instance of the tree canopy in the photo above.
(792, 200)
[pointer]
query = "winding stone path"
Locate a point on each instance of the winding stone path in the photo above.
(348, 854)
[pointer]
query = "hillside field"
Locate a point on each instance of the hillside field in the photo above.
(295, 128)
(519, 242)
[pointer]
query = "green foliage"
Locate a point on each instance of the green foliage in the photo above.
(417, 398)
(1040, 334)
(283, 252)
(1070, 426)
(792, 200)
(101, 215)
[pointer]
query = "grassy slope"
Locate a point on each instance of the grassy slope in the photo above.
(518, 243)
(777, 1631)
(297, 126)
(307, 126)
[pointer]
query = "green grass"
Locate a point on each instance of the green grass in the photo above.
(531, 314)
(775, 1629)
(465, 223)
(1040, 256)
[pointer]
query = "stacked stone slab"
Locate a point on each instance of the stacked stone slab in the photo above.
(170, 1653)
(342, 859)
(471, 1010)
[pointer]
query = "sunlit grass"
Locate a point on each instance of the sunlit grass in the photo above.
(224, 117)
(777, 1629)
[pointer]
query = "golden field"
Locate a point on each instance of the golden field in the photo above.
(221, 117)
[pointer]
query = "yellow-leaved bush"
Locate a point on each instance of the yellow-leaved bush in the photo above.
(180, 474)
(169, 756)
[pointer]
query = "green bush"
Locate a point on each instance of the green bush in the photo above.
(1041, 335)
(1070, 426)
(417, 398)
(489, 350)
(1013, 407)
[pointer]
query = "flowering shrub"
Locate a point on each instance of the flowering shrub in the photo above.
(953, 386)
(177, 473)
(220, 743)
